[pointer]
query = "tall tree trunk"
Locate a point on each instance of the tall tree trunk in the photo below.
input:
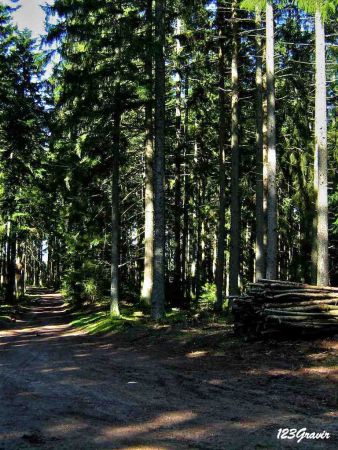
(158, 301)
(178, 194)
(56, 253)
(2, 263)
(271, 263)
(259, 245)
(147, 287)
(265, 159)
(37, 259)
(198, 253)
(235, 231)
(220, 259)
(186, 199)
(321, 156)
(115, 214)
(11, 267)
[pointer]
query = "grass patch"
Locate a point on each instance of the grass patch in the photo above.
(100, 322)
(95, 319)
(5, 316)
(176, 316)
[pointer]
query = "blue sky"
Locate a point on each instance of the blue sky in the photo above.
(30, 15)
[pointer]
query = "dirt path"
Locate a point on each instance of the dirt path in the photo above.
(61, 389)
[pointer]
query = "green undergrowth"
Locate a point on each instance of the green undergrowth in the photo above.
(97, 320)
(5, 316)
(101, 322)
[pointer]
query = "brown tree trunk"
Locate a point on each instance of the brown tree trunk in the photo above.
(115, 214)
(259, 244)
(178, 188)
(271, 262)
(186, 199)
(235, 230)
(220, 260)
(321, 156)
(11, 267)
(158, 301)
(147, 286)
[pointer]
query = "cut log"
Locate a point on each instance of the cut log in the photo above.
(273, 304)
(285, 312)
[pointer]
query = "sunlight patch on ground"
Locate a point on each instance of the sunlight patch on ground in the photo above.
(62, 369)
(164, 420)
(145, 447)
(264, 421)
(101, 322)
(197, 354)
(66, 426)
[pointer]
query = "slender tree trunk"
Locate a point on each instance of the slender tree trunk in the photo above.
(178, 190)
(220, 259)
(56, 253)
(158, 301)
(235, 231)
(314, 225)
(48, 265)
(271, 263)
(186, 200)
(265, 160)
(259, 245)
(195, 228)
(198, 254)
(147, 287)
(24, 281)
(2, 263)
(41, 264)
(36, 266)
(11, 268)
(321, 156)
(115, 214)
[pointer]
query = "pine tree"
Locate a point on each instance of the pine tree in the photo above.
(320, 9)
(220, 260)
(321, 155)
(147, 286)
(271, 261)
(22, 143)
(158, 301)
(235, 228)
(260, 225)
(271, 246)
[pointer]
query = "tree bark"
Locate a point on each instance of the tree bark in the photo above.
(178, 194)
(265, 159)
(115, 214)
(220, 259)
(321, 155)
(235, 231)
(259, 245)
(186, 200)
(271, 268)
(158, 301)
(11, 259)
(147, 286)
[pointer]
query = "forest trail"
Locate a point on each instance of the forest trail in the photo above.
(62, 389)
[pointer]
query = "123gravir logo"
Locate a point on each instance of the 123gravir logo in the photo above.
(301, 434)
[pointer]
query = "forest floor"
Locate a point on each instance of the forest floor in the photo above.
(174, 387)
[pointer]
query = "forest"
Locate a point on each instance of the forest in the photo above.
(173, 153)
(160, 160)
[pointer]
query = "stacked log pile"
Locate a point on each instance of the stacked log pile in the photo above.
(271, 306)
